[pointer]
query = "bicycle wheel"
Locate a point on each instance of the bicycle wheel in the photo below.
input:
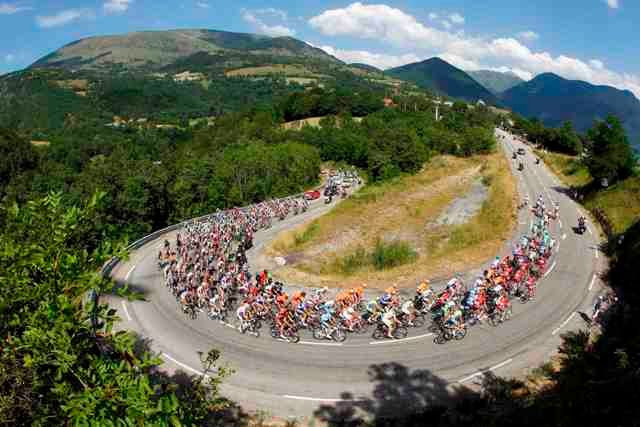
(362, 328)
(439, 339)
(317, 334)
(419, 322)
(460, 334)
(401, 332)
(378, 334)
(294, 338)
(524, 298)
(434, 328)
(275, 333)
(339, 335)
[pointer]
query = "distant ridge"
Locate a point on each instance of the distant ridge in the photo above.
(495, 81)
(554, 100)
(441, 77)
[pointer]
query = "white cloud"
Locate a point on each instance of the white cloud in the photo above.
(597, 64)
(446, 24)
(613, 4)
(393, 26)
(63, 18)
(433, 16)
(203, 5)
(456, 18)
(9, 57)
(379, 60)
(273, 12)
(528, 35)
(11, 8)
(250, 16)
(116, 6)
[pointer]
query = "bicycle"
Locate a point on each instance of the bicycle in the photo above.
(448, 334)
(336, 334)
(381, 332)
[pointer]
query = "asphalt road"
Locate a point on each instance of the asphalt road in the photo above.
(296, 379)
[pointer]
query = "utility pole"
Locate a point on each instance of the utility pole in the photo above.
(437, 107)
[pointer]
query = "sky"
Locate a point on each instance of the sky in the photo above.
(591, 40)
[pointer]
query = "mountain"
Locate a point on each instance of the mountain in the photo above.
(155, 50)
(441, 77)
(554, 100)
(495, 81)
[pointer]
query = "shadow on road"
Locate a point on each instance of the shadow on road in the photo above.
(188, 387)
(401, 397)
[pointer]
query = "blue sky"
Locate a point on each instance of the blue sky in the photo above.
(591, 40)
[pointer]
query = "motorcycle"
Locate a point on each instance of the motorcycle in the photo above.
(328, 200)
(582, 226)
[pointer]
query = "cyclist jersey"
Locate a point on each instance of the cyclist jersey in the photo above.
(407, 307)
(388, 316)
(372, 306)
(326, 317)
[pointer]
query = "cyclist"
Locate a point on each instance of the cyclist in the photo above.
(390, 320)
(409, 312)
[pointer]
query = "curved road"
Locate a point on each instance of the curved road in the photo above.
(294, 380)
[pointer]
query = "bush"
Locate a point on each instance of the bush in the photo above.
(389, 255)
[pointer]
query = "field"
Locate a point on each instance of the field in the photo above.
(311, 121)
(388, 233)
(567, 168)
(621, 202)
(265, 70)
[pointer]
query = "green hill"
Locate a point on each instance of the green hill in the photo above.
(439, 76)
(495, 81)
(157, 50)
(365, 67)
(553, 100)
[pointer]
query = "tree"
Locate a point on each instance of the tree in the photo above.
(60, 361)
(610, 154)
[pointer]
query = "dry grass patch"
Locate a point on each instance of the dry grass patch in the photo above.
(339, 248)
(567, 168)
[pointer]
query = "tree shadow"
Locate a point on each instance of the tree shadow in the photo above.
(224, 412)
(401, 397)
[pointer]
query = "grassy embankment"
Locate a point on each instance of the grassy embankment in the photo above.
(621, 201)
(387, 233)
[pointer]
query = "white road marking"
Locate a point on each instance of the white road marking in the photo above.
(319, 399)
(187, 367)
(228, 325)
(126, 312)
(522, 222)
(493, 368)
(564, 236)
(560, 222)
(555, 331)
(558, 248)
(589, 230)
(597, 253)
(551, 269)
(402, 339)
(593, 280)
(126, 278)
(334, 344)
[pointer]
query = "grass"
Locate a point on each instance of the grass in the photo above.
(621, 201)
(266, 70)
(384, 256)
(308, 234)
(388, 233)
(568, 168)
